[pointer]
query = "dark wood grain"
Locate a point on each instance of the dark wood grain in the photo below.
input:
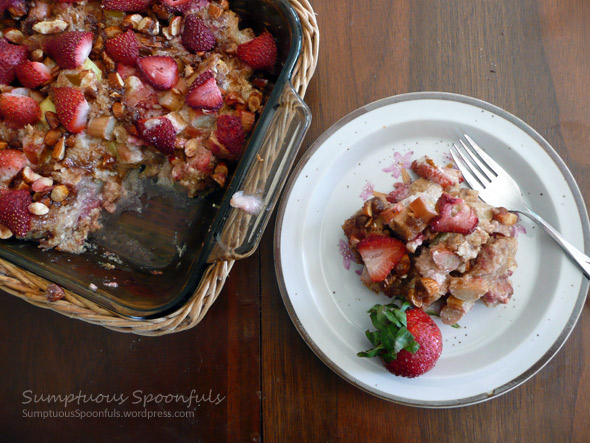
(529, 57)
(525, 57)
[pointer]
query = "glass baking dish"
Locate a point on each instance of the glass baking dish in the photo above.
(147, 264)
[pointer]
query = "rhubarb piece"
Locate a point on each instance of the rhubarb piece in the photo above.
(102, 127)
(454, 215)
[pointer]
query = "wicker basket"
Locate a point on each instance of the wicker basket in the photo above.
(31, 287)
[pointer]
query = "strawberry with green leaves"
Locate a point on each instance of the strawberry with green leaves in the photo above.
(407, 340)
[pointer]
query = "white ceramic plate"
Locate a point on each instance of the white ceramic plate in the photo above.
(495, 349)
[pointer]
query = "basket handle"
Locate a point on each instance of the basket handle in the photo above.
(265, 178)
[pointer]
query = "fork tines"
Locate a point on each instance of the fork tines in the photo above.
(476, 166)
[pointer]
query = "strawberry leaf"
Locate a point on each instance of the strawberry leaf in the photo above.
(374, 337)
(392, 335)
(404, 340)
(371, 352)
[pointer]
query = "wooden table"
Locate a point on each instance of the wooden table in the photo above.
(254, 375)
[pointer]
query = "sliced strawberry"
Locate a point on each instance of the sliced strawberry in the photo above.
(125, 70)
(71, 108)
(176, 3)
(32, 74)
(11, 163)
(230, 133)
(426, 168)
(124, 48)
(126, 5)
(185, 6)
(196, 36)
(14, 212)
(10, 57)
(260, 53)
(70, 49)
(380, 254)
(204, 93)
(159, 132)
(454, 215)
(19, 110)
(159, 71)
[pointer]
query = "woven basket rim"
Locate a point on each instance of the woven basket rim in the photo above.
(31, 288)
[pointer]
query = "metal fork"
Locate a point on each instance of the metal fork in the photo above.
(497, 188)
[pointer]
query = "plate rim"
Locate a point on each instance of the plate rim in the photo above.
(481, 104)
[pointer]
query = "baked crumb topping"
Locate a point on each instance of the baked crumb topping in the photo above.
(90, 90)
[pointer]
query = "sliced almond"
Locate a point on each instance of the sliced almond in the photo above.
(50, 27)
(30, 176)
(37, 55)
(59, 193)
(149, 26)
(175, 25)
(13, 35)
(109, 63)
(131, 21)
(215, 11)
(38, 208)
(42, 184)
(254, 102)
(52, 119)
(191, 147)
(52, 137)
(406, 176)
(5, 233)
(112, 31)
(59, 150)
(118, 110)
(115, 80)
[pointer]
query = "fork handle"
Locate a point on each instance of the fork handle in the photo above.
(578, 256)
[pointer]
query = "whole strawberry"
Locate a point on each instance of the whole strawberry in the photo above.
(407, 340)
